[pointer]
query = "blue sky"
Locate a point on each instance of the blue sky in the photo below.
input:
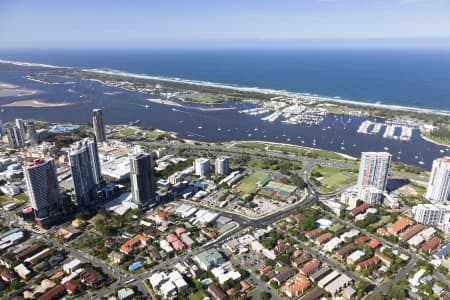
(246, 23)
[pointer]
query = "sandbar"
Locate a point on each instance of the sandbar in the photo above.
(173, 103)
(35, 103)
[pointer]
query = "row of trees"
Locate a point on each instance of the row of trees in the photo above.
(442, 133)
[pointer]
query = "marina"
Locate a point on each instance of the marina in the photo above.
(394, 130)
(292, 125)
(254, 111)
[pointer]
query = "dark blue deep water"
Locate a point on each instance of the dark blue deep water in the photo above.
(417, 78)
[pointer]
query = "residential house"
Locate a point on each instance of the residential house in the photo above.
(354, 257)
(216, 292)
(431, 244)
(314, 294)
(283, 276)
(301, 260)
(367, 263)
(209, 259)
(359, 209)
(337, 285)
(91, 277)
(322, 239)
(296, 286)
(400, 225)
(404, 236)
(310, 267)
(314, 233)
(373, 244)
(115, 257)
(343, 251)
(139, 241)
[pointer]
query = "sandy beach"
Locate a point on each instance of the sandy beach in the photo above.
(276, 92)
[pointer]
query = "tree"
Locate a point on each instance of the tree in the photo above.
(264, 296)
(307, 222)
(377, 296)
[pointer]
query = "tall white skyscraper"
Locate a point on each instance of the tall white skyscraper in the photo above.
(222, 165)
(373, 169)
(142, 181)
(99, 125)
(439, 185)
(43, 188)
(201, 166)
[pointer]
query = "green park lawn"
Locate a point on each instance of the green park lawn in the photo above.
(249, 184)
(333, 179)
(298, 150)
(197, 296)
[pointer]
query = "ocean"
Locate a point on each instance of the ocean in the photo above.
(411, 78)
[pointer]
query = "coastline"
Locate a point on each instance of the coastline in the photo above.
(265, 91)
(323, 99)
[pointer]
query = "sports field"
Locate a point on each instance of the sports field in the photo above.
(249, 184)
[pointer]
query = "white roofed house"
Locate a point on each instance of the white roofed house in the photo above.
(72, 266)
(416, 240)
(355, 256)
(349, 234)
(22, 271)
(225, 272)
(168, 286)
(332, 244)
(157, 279)
(178, 281)
(168, 289)
(337, 285)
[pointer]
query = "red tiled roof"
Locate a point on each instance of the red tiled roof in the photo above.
(244, 286)
(71, 286)
(324, 238)
(368, 262)
(313, 233)
(411, 232)
(310, 266)
(361, 240)
(431, 244)
(360, 209)
(54, 293)
(374, 243)
(400, 225)
(133, 243)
